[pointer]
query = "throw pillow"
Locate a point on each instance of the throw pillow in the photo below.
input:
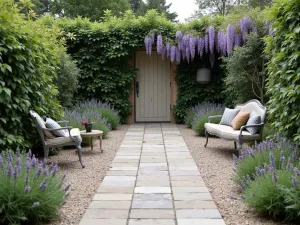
(254, 119)
(228, 116)
(50, 123)
(240, 120)
(42, 124)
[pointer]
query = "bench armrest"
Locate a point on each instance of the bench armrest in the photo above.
(261, 125)
(65, 122)
(216, 116)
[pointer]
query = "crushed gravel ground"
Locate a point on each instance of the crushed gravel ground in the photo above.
(85, 181)
(215, 164)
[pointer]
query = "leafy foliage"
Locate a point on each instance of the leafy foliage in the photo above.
(245, 78)
(67, 75)
(30, 191)
(28, 57)
(160, 6)
(284, 68)
(190, 93)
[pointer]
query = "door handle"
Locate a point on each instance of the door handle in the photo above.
(137, 88)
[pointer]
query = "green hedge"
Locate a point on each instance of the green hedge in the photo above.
(284, 68)
(28, 57)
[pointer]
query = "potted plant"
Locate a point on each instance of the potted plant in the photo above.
(88, 125)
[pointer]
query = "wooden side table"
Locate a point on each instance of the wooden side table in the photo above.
(93, 133)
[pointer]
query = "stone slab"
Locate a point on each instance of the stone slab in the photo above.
(110, 204)
(152, 214)
(106, 213)
(112, 197)
(195, 204)
(103, 222)
(151, 222)
(200, 222)
(160, 204)
(192, 196)
(198, 214)
(147, 190)
(115, 190)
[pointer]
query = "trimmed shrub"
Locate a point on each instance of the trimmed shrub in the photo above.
(67, 75)
(30, 190)
(252, 158)
(201, 117)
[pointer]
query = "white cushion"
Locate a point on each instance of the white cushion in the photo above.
(75, 132)
(50, 123)
(227, 132)
(42, 124)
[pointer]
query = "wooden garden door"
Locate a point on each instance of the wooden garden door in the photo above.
(152, 88)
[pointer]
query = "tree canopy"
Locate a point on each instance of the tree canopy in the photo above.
(161, 7)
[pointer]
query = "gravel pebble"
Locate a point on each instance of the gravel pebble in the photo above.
(85, 181)
(215, 164)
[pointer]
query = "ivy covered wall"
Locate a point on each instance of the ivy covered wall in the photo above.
(103, 52)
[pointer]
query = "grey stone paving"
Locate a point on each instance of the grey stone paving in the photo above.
(153, 180)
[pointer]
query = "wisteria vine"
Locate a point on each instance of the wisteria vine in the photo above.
(186, 46)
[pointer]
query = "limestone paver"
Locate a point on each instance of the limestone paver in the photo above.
(153, 180)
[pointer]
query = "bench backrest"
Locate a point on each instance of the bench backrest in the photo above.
(254, 106)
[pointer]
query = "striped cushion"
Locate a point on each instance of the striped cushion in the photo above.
(50, 123)
(228, 116)
(254, 119)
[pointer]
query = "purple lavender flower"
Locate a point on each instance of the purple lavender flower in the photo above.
(27, 189)
(27, 178)
(1, 162)
(235, 159)
(159, 44)
(230, 38)
(200, 46)
(67, 187)
(243, 197)
(43, 185)
(234, 198)
(211, 37)
(9, 169)
(274, 177)
(39, 170)
(282, 161)
(297, 172)
(55, 168)
(36, 204)
(15, 172)
(179, 35)
(178, 56)
(295, 181)
(192, 46)
(206, 43)
(46, 171)
(33, 161)
(9, 157)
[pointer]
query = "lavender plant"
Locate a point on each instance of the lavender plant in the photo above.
(30, 190)
(198, 115)
(281, 150)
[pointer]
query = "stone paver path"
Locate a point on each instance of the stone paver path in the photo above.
(153, 180)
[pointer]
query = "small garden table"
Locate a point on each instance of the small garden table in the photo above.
(93, 133)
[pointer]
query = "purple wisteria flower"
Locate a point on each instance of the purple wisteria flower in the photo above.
(237, 40)
(206, 43)
(178, 55)
(211, 37)
(179, 35)
(159, 44)
(200, 46)
(192, 47)
(187, 53)
(148, 45)
(173, 53)
(168, 49)
(163, 53)
(230, 34)
(245, 25)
